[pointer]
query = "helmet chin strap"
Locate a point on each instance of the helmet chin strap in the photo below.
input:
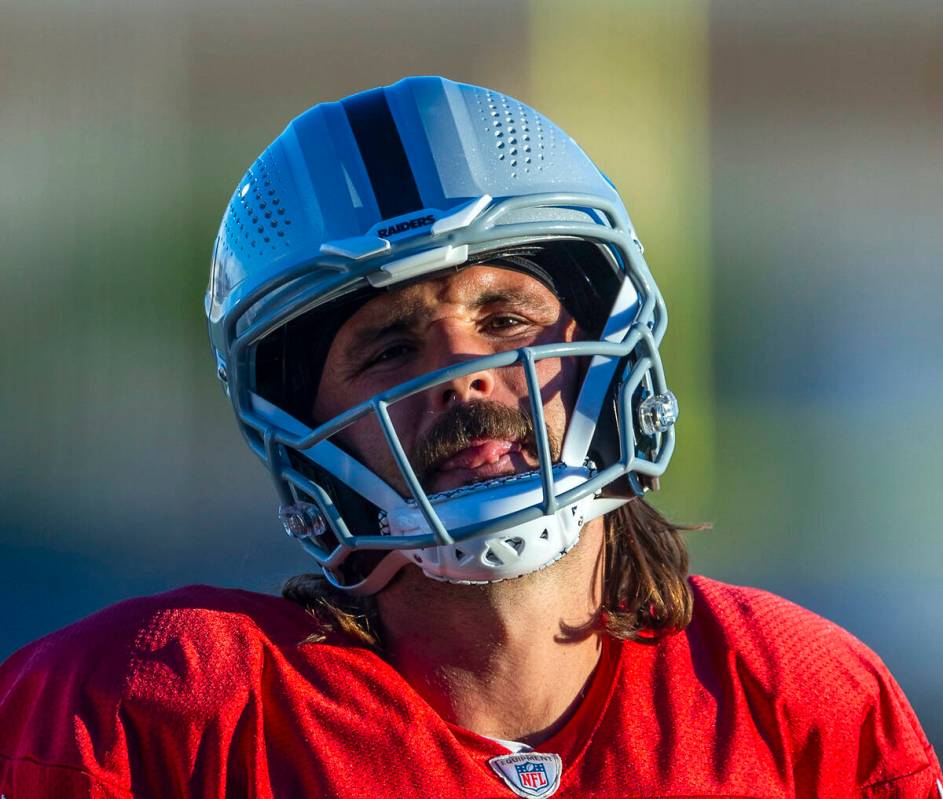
(505, 554)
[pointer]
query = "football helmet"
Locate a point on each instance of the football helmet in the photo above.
(391, 186)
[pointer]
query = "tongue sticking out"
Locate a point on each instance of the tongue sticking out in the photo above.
(479, 453)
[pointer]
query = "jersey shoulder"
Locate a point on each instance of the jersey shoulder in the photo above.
(811, 679)
(74, 699)
(763, 626)
(189, 631)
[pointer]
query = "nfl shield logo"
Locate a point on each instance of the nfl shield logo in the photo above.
(531, 774)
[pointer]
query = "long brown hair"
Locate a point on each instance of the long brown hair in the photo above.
(645, 589)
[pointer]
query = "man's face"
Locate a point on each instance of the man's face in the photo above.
(464, 430)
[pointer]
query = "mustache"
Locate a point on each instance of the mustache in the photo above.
(459, 426)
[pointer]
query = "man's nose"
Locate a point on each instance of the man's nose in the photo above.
(452, 348)
(476, 386)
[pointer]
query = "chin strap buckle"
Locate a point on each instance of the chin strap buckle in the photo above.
(657, 413)
(302, 520)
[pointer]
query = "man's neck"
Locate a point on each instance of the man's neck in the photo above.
(508, 660)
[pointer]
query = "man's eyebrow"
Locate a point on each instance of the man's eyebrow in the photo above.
(516, 296)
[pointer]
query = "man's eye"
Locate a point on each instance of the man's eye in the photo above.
(505, 323)
(390, 353)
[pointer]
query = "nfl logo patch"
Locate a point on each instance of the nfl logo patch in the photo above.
(530, 774)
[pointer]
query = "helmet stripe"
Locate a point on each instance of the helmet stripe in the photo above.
(408, 101)
(384, 157)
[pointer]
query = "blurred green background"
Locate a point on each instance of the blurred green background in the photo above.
(782, 162)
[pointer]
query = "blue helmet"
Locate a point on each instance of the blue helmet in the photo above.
(389, 186)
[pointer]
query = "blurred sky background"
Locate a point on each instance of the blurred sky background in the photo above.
(781, 161)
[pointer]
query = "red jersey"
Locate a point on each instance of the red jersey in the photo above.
(208, 692)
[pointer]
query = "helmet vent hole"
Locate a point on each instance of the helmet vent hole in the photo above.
(459, 554)
(545, 535)
(493, 559)
(517, 544)
(506, 120)
(417, 558)
(254, 199)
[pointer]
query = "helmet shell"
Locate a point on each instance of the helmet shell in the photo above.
(402, 154)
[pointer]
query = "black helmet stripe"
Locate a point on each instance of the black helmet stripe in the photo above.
(384, 157)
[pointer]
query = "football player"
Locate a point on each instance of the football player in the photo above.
(433, 319)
